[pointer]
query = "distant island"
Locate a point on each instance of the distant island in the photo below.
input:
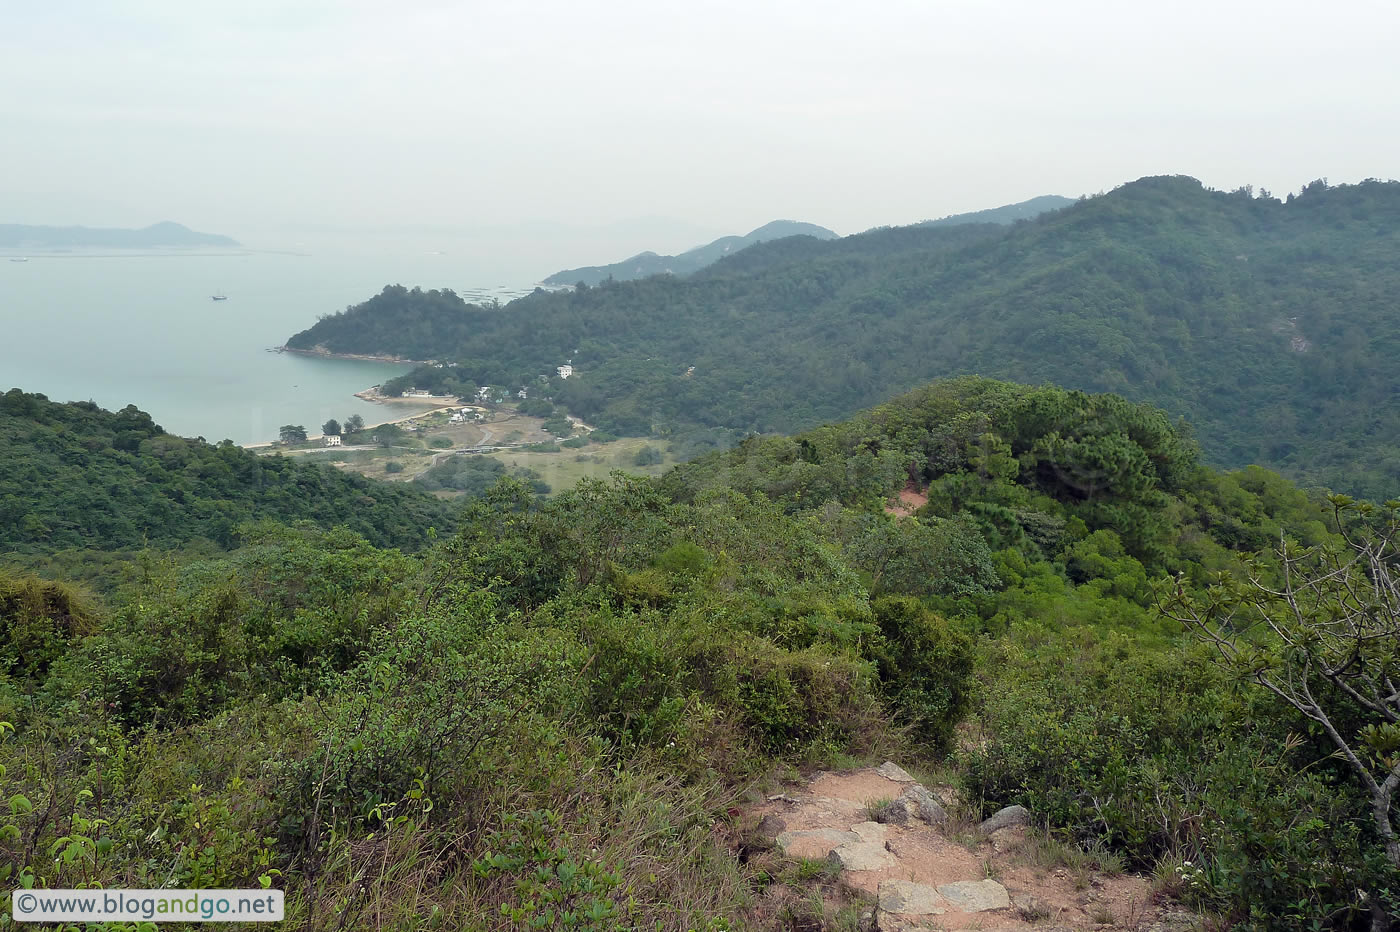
(18, 235)
(647, 264)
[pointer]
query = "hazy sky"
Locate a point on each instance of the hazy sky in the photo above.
(264, 114)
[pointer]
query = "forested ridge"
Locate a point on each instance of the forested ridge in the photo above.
(692, 260)
(553, 715)
(75, 476)
(1268, 323)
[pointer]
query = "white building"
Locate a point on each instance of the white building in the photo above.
(565, 371)
(522, 394)
(332, 440)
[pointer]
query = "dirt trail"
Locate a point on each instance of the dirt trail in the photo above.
(927, 867)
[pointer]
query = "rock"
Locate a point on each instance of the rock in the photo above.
(892, 771)
(1009, 838)
(899, 812)
(872, 832)
(863, 856)
(814, 843)
(918, 801)
(974, 896)
(909, 898)
(1030, 908)
(866, 923)
(1174, 922)
(947, 795)
(1004, 818)
(770, 827)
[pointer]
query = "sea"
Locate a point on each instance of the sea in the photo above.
(119, 328)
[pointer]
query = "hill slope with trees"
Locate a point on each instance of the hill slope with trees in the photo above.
(1268, 323)
(551, 718)
(74, 476)
(646, 264)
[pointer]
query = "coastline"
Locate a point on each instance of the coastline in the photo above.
(372, 395)
(362, 357)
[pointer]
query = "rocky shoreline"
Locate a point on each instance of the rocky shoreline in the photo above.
(323, 353)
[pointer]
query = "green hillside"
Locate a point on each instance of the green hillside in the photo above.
(558, 715)
(1270, 324)
(77, 477)
(645, 264)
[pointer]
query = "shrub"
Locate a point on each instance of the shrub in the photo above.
(559, 426)
(648, 455)
(1151, 753)
(440, 443)
(38, 620)
(925, 666)
(393, 466)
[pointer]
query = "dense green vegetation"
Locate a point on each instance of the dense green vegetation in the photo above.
(1010, 213)
(1269, 324)
(77, 477)
(547, 718)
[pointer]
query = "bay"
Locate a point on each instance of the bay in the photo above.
(143, 330)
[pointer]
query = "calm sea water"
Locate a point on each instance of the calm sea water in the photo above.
(141, 329)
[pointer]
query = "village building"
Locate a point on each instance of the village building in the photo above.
(332, 440)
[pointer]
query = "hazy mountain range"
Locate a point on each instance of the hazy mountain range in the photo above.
(166, 233)
(692, 260)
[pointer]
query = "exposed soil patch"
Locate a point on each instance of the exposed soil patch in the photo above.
(909, 500)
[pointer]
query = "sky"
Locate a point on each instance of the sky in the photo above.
(668, 122)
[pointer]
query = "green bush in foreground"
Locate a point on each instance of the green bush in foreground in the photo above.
(1154, 754)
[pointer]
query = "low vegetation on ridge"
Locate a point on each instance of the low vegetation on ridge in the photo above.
(548, 716)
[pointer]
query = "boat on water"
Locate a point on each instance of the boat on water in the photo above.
(19, 258)
(218, 297)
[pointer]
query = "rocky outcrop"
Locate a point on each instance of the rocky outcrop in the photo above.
(868, 852)
(1006, 818)
(892, 771)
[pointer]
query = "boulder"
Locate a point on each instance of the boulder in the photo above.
(1030, 908)
(917, 801)
(892, 771)
(974, 896)
(899, 812)
(872, 832)
(909, 898)
(863, 856)
(770, 827)
(1005, 818)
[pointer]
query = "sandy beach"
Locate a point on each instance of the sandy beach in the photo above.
(371, 394)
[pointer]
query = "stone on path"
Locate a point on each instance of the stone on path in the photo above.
(1004, 818)
(973, 896)
(872, 832)
(863, 856)
(814, 842)
(916, 800)
(909, 898)
(892, 771)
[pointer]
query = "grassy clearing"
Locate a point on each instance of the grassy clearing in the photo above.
(563, 470)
